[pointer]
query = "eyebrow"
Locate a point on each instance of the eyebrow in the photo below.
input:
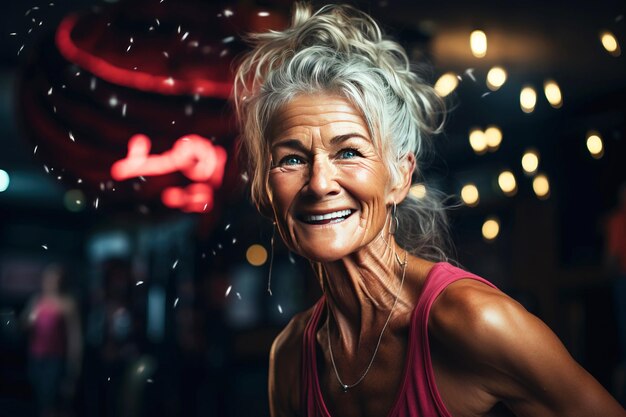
(297, 144)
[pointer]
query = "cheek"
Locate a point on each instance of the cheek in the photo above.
(283, 188)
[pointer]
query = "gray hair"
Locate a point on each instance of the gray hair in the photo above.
(340, 50)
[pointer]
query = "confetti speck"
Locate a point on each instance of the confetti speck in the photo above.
(263, 14)
(230, 287)
(280, 309)
(45, 247)
(139, 283)
(175, 302)
(35, 150)
(185, 36)
(227, 226)
(175, 264)
(95, 203)
(50, 91)
(228, 13)
(72, 136)
(228, 39)
(238, 295)
(485, 94)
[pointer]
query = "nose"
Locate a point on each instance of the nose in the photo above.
(323, 177)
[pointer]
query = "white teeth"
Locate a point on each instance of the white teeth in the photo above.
(333, 215)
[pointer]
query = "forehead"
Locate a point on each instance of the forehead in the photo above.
(317, 111)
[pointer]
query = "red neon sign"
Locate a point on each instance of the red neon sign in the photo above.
(194, 156)
(129, 78)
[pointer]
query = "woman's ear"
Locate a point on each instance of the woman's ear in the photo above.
(401, 188)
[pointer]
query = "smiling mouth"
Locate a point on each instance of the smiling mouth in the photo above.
(328, 218)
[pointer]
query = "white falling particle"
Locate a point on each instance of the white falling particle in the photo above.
(50, 91)
(13, 34)
(263, 14)
(227, 227)
(78, 202)
(194, 44)
(165, 54)
(45, 247)
(230, 287)
(219, 246)
(79, 181)
(175, 264)
(228, 13)
(72, 136)
(184, 36)
(77, 74)
(169, 81)
(188, 110)
(35, 150)
(131, 39)
(291, 258)
(54, 109)
(213, 252)
(234, 240)
(45, 167)
(20, 50)
(124, 110)
(128, 49)
(149, 381)
(157, 22)
(96, 202)
(205, 206)
(92, 83)
(139, 283)
(244, 177)
(151, 28)
(142, 178)
(485, 94)
(178, 30)
(238, 295)
(228, 39)
(175, 302)
(50, 4)
(113, 101)
(459, 78)
(59, 178)
(173, 122)
(280, 309)
(470, 73)
(223, 53)
(109, 379)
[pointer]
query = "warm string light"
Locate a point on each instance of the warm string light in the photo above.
(256, 255)
(507, 183)
(489, 139)
(528, 99)
(595, 145)
(493, 136)
(609, 42)
(478, 43)
(553, 93)
(446, 84)
(530, 161)
(418, 191)
(478, 141)
(496, 77)
(541, 186)
(469, 195)
(491, 228)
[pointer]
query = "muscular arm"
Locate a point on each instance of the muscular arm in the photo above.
(517, 359)
(284, 368)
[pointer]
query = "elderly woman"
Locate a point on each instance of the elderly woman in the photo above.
(334, 123)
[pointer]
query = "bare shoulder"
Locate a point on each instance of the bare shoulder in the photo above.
(514, 355)
(284, 369)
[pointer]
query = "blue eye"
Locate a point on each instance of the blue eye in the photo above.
(348, 153)
(291, 160)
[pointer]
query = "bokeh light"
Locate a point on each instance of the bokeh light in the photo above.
(595, 145)
(496, 77)
(256, 255)
(609, 42)
(530, 161)
(469, 195)
(5, 180)
(418, 191)
(507, 183)
(491, 228)
(553, 93)
(478, 43)
(446, 84)
(528, 99)
(74, 200)
(477, 140)
(541, 186)
(493, 137)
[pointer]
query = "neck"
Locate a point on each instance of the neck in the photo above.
(361, 290)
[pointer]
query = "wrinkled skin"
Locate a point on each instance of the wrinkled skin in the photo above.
(486, 348)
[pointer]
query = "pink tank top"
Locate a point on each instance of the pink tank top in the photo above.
(48, 332)
(418, 396)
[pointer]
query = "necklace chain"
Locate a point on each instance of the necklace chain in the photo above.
(345, 386)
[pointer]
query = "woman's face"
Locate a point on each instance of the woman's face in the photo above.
(327, 185)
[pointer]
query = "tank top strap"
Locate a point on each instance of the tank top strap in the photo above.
(310, 394)
(422, 380)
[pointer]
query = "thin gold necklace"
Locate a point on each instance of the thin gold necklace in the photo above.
(345, 387)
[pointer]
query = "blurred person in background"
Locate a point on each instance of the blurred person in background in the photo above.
(55, 343)
(333, 123)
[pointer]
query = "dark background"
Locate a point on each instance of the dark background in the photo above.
(205, 353)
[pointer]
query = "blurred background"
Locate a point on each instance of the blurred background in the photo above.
(132, 262)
